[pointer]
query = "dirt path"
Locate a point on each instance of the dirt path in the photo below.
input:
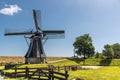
(92, 67)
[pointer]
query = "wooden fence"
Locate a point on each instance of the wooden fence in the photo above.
(47, 73)
(3, 64)
(68, 68)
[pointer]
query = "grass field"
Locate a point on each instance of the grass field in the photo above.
(110, 71)
(21, 59)
(105, 73)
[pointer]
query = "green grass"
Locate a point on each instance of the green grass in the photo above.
(64, 63)
(90, 62)
(111, 70)
(2, 67)
(28, 65)
(105, 73)
(16, 79)
(32, 65)
(78, 62)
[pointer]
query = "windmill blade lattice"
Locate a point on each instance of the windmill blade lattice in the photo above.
(37, 19)
(54, 34)
(13, 32)
(37, 38)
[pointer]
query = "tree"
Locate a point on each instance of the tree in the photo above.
(97, 55)
(108, 51)
(112, 51)
(116, 48)
(83, 46)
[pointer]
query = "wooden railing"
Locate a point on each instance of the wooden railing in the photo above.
(68, 68)
(47, 73)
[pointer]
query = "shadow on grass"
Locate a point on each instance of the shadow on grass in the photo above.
(10, 66)
(77, 60)
(105, 62)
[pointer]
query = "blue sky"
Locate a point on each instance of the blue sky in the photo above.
(99, 18)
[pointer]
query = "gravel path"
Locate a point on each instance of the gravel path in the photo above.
(92, 67)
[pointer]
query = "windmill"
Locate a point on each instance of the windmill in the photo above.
(37, 37)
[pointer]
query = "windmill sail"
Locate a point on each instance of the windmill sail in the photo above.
(54, 34)
(37, 19)
(9, 32)
(38, 37)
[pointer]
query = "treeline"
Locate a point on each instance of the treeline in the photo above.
(83, 47)
(110, 51)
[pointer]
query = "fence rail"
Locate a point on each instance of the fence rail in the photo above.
(45, 73)
(68, 68)
(48, 73)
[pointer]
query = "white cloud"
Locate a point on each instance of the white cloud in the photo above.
(10, 9)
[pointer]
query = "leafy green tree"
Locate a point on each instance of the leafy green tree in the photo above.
(108, 51)
(83, 46)
(97, 55)
(112, 51)
(116, 48)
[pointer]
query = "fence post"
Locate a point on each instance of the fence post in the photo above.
(26, 72)
(39, 72)
(65, 68)
(15, 72)
(52, 74)
(66, 75)
(58, 68)
(49, 72)
(69, 68)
